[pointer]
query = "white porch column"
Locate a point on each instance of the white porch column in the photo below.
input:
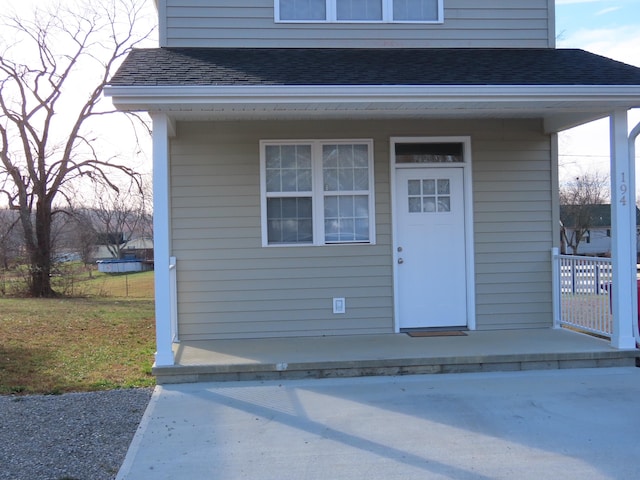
(623, 248)
(162, 240)
(635, 132)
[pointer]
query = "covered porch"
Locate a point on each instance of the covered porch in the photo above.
(186, 360)
(391, 354)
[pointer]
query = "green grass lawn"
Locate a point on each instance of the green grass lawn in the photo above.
(102, 340)
(77, 280)
(127, 285)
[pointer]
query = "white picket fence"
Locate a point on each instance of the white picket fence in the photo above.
(582, 286)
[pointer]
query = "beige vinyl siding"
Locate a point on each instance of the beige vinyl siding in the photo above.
(513, 229)
(229, 286)
(250, 23)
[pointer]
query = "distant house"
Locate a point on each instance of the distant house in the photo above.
(596, 240)
(106, 246)
(134, 256)
(137, 248)
(101, 252)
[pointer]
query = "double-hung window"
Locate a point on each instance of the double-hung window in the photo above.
(317, 192)
(421, 11)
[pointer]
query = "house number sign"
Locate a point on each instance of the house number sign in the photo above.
(622, 187)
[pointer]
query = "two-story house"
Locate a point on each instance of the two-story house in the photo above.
(346, 167)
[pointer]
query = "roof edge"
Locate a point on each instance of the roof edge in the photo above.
(333, 93)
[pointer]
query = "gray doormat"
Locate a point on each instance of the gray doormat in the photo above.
(438, 333)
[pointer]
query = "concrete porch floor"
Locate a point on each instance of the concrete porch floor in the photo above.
(391, 354)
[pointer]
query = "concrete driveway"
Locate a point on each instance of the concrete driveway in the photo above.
(557, 424)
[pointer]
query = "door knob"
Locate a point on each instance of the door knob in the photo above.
(400, 261)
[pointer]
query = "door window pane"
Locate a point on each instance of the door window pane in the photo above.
(444, 204)
(414, 187)
(415, 205)
(429, 204)
(428, 187)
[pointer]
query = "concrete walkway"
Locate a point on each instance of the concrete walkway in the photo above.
(553, 424)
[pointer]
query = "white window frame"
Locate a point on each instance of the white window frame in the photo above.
(317, 193)
(387, 15)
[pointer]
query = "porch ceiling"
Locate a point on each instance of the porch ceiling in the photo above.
(560, 108)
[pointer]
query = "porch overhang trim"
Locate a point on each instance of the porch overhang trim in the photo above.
(167, 95)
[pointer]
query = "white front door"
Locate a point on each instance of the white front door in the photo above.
(430, 248)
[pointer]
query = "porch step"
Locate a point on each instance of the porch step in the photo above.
(244, 360)
(409, 366)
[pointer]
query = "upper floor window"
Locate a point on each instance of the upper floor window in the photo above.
(422, 11)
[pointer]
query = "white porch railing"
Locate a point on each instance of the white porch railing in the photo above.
(581, 290)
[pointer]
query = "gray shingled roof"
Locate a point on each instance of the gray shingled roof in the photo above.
(274, 66)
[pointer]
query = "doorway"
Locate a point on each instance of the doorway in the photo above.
(431, 238)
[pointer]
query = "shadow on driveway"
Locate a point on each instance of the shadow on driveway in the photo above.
(567, 424)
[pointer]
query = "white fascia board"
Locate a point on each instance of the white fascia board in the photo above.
(221, 95)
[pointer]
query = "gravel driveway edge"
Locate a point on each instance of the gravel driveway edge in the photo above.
(74, 436)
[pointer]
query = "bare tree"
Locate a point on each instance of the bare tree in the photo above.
(119, 214)
(45, 108)
(110, 218)
(577, 200)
